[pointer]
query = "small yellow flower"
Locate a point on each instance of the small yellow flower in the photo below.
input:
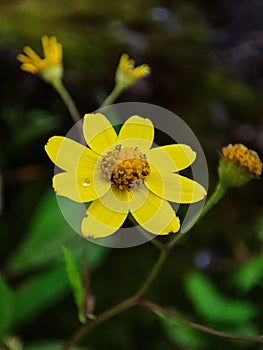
(121, 174)
(50, 67)
(238, 165)
(127, 75)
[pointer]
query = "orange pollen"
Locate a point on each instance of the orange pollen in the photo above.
(125, 167)
(243, 157)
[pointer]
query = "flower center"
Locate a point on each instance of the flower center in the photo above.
(125, 167)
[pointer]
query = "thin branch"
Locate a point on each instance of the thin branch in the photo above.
(125, 305)
(85, 328)
(152, 275)
(172, 315)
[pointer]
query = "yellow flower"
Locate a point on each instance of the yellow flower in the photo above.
(238, 165)
(127, 75)
(50, 67)
(121, 174)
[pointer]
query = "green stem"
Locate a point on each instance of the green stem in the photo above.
(126, 304)
(152, 275)
(112, 96)
(70, 104)
(215, 197)
(83, 329)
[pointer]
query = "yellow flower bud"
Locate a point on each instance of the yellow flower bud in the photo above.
(50, 67)
(238, 165)
(127, 74)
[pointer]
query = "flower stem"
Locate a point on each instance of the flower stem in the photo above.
(152, 275)
(112, 96)
(70, 104)
(215, 197)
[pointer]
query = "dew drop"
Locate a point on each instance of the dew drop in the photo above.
(85, 182)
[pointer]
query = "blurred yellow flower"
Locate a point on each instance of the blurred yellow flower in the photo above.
(50, 67)
(127, 75)
(238, 165)
(121, 174)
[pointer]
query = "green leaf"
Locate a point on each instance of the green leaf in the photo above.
(48, 232)
(180, 334)
(37, 123)
(214, 306)
(75, 281)
(39, 292)
(6, 306)
(250, 274)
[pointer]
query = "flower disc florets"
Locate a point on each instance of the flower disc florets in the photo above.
(125, 167)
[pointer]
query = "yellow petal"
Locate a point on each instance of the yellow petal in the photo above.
(98, 132)
(156, 216)
(171, 158)
(174, 187)
(23, 58)
(32, 54)
(101, 221)
(77, 187)
(58, 52)
(30, 68)
(137, 132)
(45, 45)
(70, 155)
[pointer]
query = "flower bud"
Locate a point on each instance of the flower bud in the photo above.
(48, 68)
(127, 75)
(238, 165)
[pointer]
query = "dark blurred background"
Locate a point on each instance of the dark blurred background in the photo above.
(207, 66)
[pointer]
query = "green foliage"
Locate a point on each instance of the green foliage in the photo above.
(48, 232)
(75, 281)
(39, 292)
(250, 274)
(42, 248)
(214, 306)
(6, 306)
(37, 123)
(180, 334)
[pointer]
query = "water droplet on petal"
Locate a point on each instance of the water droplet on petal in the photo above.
(85, 182)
